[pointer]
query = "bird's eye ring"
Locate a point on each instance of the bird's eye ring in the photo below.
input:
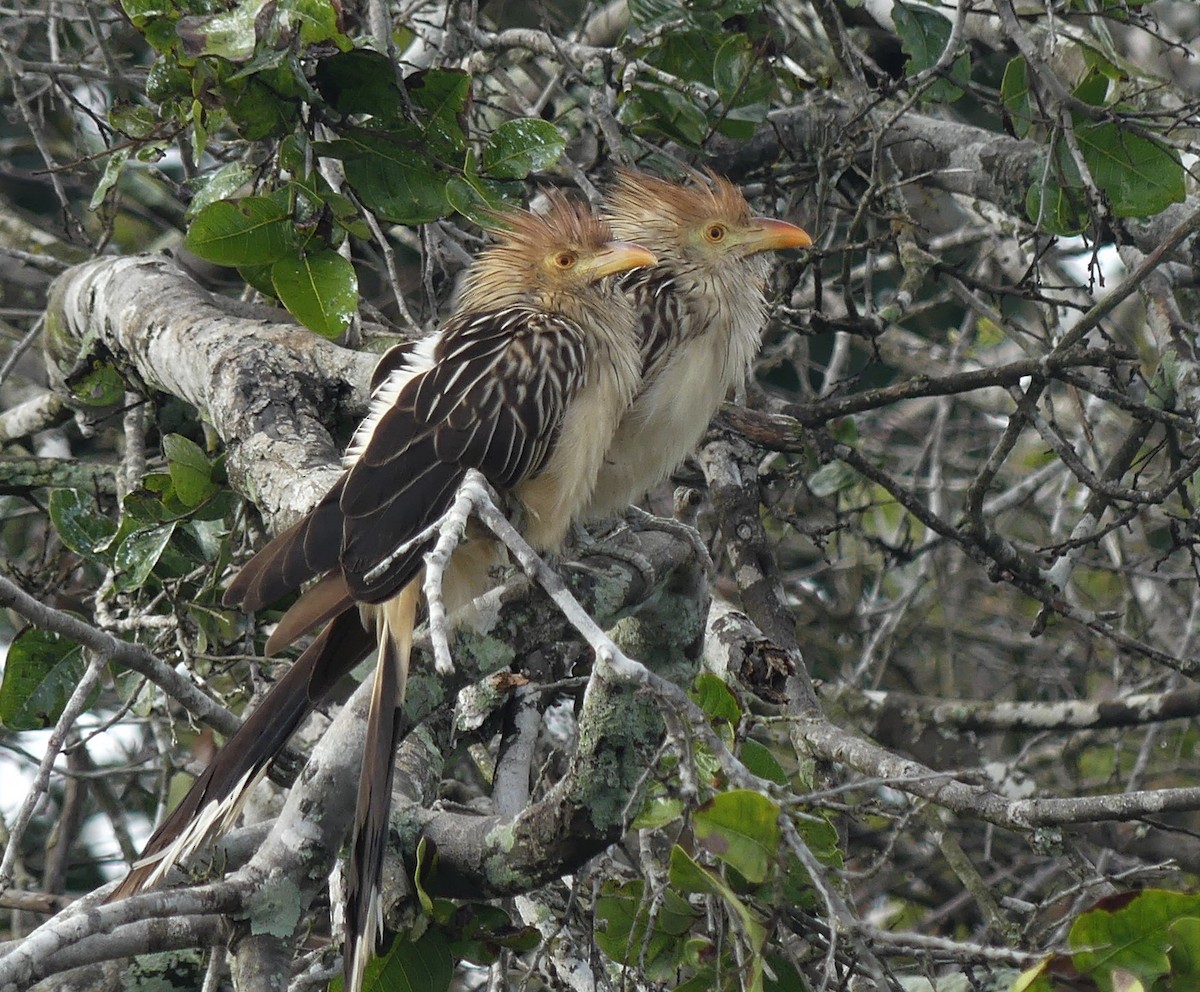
(564, 259)
(715, 233)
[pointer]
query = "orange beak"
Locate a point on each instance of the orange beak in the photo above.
(775, 235)
(618, 256)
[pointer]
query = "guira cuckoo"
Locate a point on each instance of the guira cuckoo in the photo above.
(702, 310)
(526, 382)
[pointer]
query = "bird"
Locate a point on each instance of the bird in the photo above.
(701, 310)
(526, 382)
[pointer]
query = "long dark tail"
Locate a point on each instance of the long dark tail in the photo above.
(364, 908)
(308, 548)
(218, 794)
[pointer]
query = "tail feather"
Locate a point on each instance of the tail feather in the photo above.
(327, 599)
(310, 547)
(364, 907)
(217, 796)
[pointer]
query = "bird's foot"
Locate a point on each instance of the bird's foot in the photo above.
(637, 519)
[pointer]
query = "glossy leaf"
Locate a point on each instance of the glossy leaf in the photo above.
(1132, 932)
(41, 670)
(319, 289)
(687, 875)
(1184, 951)
(658, 110)
(425, 965)
(741, 828)
(716, 698)
(360, 82)
(476, 198)
(625, 931)
(249, 231)
(1014, 94)
(924, 34)
(79, 522)
(317, 19)
(517, 148)
(392, 175)
(260, 111)
(100, 385)
(220, 185)
(746, 85)
(138, 553)
(1140, 177)
(441, 97)
(759, 760)
(231, 34)
(658, 813)
(191, 472)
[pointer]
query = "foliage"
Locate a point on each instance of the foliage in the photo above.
(964, 475)
(1147, 940)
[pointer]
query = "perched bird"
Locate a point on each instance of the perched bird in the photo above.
(526, 382)
(702, 310)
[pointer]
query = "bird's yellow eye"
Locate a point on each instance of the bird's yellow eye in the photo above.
(714, 233)
(564, 260)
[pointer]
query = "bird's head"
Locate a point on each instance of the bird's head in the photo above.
(540, 259)
(701, 225)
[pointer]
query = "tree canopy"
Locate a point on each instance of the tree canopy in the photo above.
(914, 704)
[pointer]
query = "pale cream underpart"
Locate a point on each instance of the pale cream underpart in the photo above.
(671, 413)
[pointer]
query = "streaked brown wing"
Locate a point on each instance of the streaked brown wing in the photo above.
(652, 292)
(493, 401)
(308, 548)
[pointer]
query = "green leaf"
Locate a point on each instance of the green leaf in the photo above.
(259, 276)
(425, 965)
(140, 11)
(133, 120)
(137, 555)
(318, 19)
(1093, 89)
(1014, 94)
(741, 828)
(1184, 952)
(100, 385)
(259, 110)
(648, 14)
(517, 148)
(784, 975)
(924, 34)
(476, 198)
(658, 813)
(112, 174)
(687, 875)
(1035, 979)
(319, 289)
(80, 525)
(746, 85)
(167, 80)
(1131, 932)
(716, 698)
(1141, 177)
(249, 231)
(657, 110)
(443, 95)
(41, 670)
(831, 478)
(624, 929)
(391, 174)
(360, 82)
(220, 185)
(231, 34)
(191, 472)
(759, 761)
